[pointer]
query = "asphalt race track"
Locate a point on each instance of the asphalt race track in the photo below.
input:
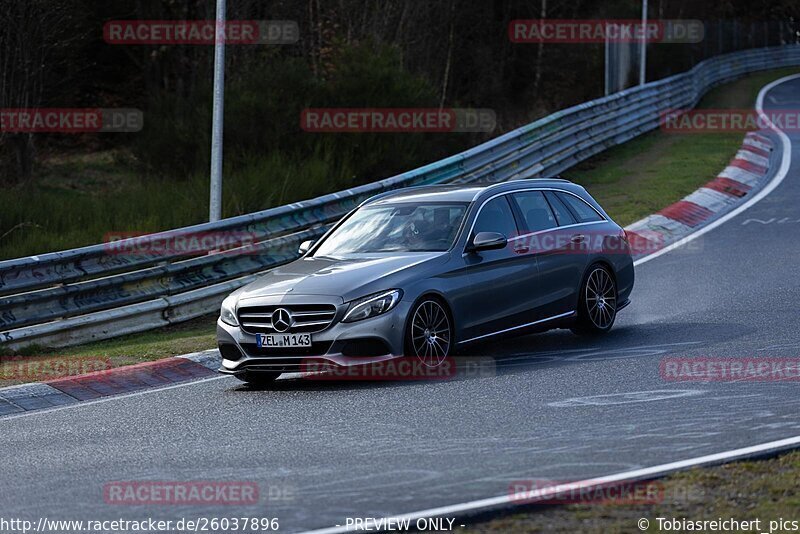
(556, 406)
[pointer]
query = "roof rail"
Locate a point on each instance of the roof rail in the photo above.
(542, 179)
(553, 179)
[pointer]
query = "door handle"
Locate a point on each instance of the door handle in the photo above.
(578, 238)
(522, 249)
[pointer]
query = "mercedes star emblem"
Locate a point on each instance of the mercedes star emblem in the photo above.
(281, 320)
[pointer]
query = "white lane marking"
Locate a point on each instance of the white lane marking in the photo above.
(655, 471)
(102, 400)
(783, 170)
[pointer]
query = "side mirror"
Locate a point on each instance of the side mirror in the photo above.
(305, 246)
(488, 241)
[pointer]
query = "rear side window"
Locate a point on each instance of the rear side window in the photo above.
(535, 211)
(496, 216)
(563, 215)
(581, 209)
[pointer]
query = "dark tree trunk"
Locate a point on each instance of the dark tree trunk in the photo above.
(23, 150)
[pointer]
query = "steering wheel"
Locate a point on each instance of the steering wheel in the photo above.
(414, 232)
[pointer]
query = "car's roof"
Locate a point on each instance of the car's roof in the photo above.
(460, 193)
(435, 193)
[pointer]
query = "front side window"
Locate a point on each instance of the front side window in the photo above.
(496, 216)
(401, 227)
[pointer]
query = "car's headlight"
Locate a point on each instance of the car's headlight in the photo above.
(372, 305)
(227, 312)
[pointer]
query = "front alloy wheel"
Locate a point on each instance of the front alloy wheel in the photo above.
(430, 333)
(597, 308)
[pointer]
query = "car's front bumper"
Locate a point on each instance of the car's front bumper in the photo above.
(338, 345)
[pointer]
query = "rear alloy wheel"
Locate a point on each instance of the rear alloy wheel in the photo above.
(430, 333)
(597, 305)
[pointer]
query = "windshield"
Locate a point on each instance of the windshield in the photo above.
(398, 227)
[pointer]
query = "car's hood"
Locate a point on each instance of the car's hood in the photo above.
(349, 277)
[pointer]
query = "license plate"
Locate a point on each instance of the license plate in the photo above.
(268, 341)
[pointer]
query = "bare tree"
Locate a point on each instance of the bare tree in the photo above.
(539, 50)
(35, 38)
(448, 62)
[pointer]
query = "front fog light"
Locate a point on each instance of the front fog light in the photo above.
(372, 305)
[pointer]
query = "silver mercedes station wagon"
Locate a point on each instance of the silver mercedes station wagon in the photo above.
(421, 272)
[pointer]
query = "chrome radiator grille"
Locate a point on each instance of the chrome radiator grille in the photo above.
(290, 318)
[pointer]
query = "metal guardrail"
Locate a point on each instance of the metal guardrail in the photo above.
(68, 297)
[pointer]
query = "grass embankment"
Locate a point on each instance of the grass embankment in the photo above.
(78, 199)
(767, 490)
(656, 169)
(35, 364)
(630, 181)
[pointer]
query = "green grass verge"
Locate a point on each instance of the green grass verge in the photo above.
(79, 199)
(656, 169)
(767, 490)
(191, 336)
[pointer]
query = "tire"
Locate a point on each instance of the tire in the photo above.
(597, 302)
(261, 378)
(429, 334)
